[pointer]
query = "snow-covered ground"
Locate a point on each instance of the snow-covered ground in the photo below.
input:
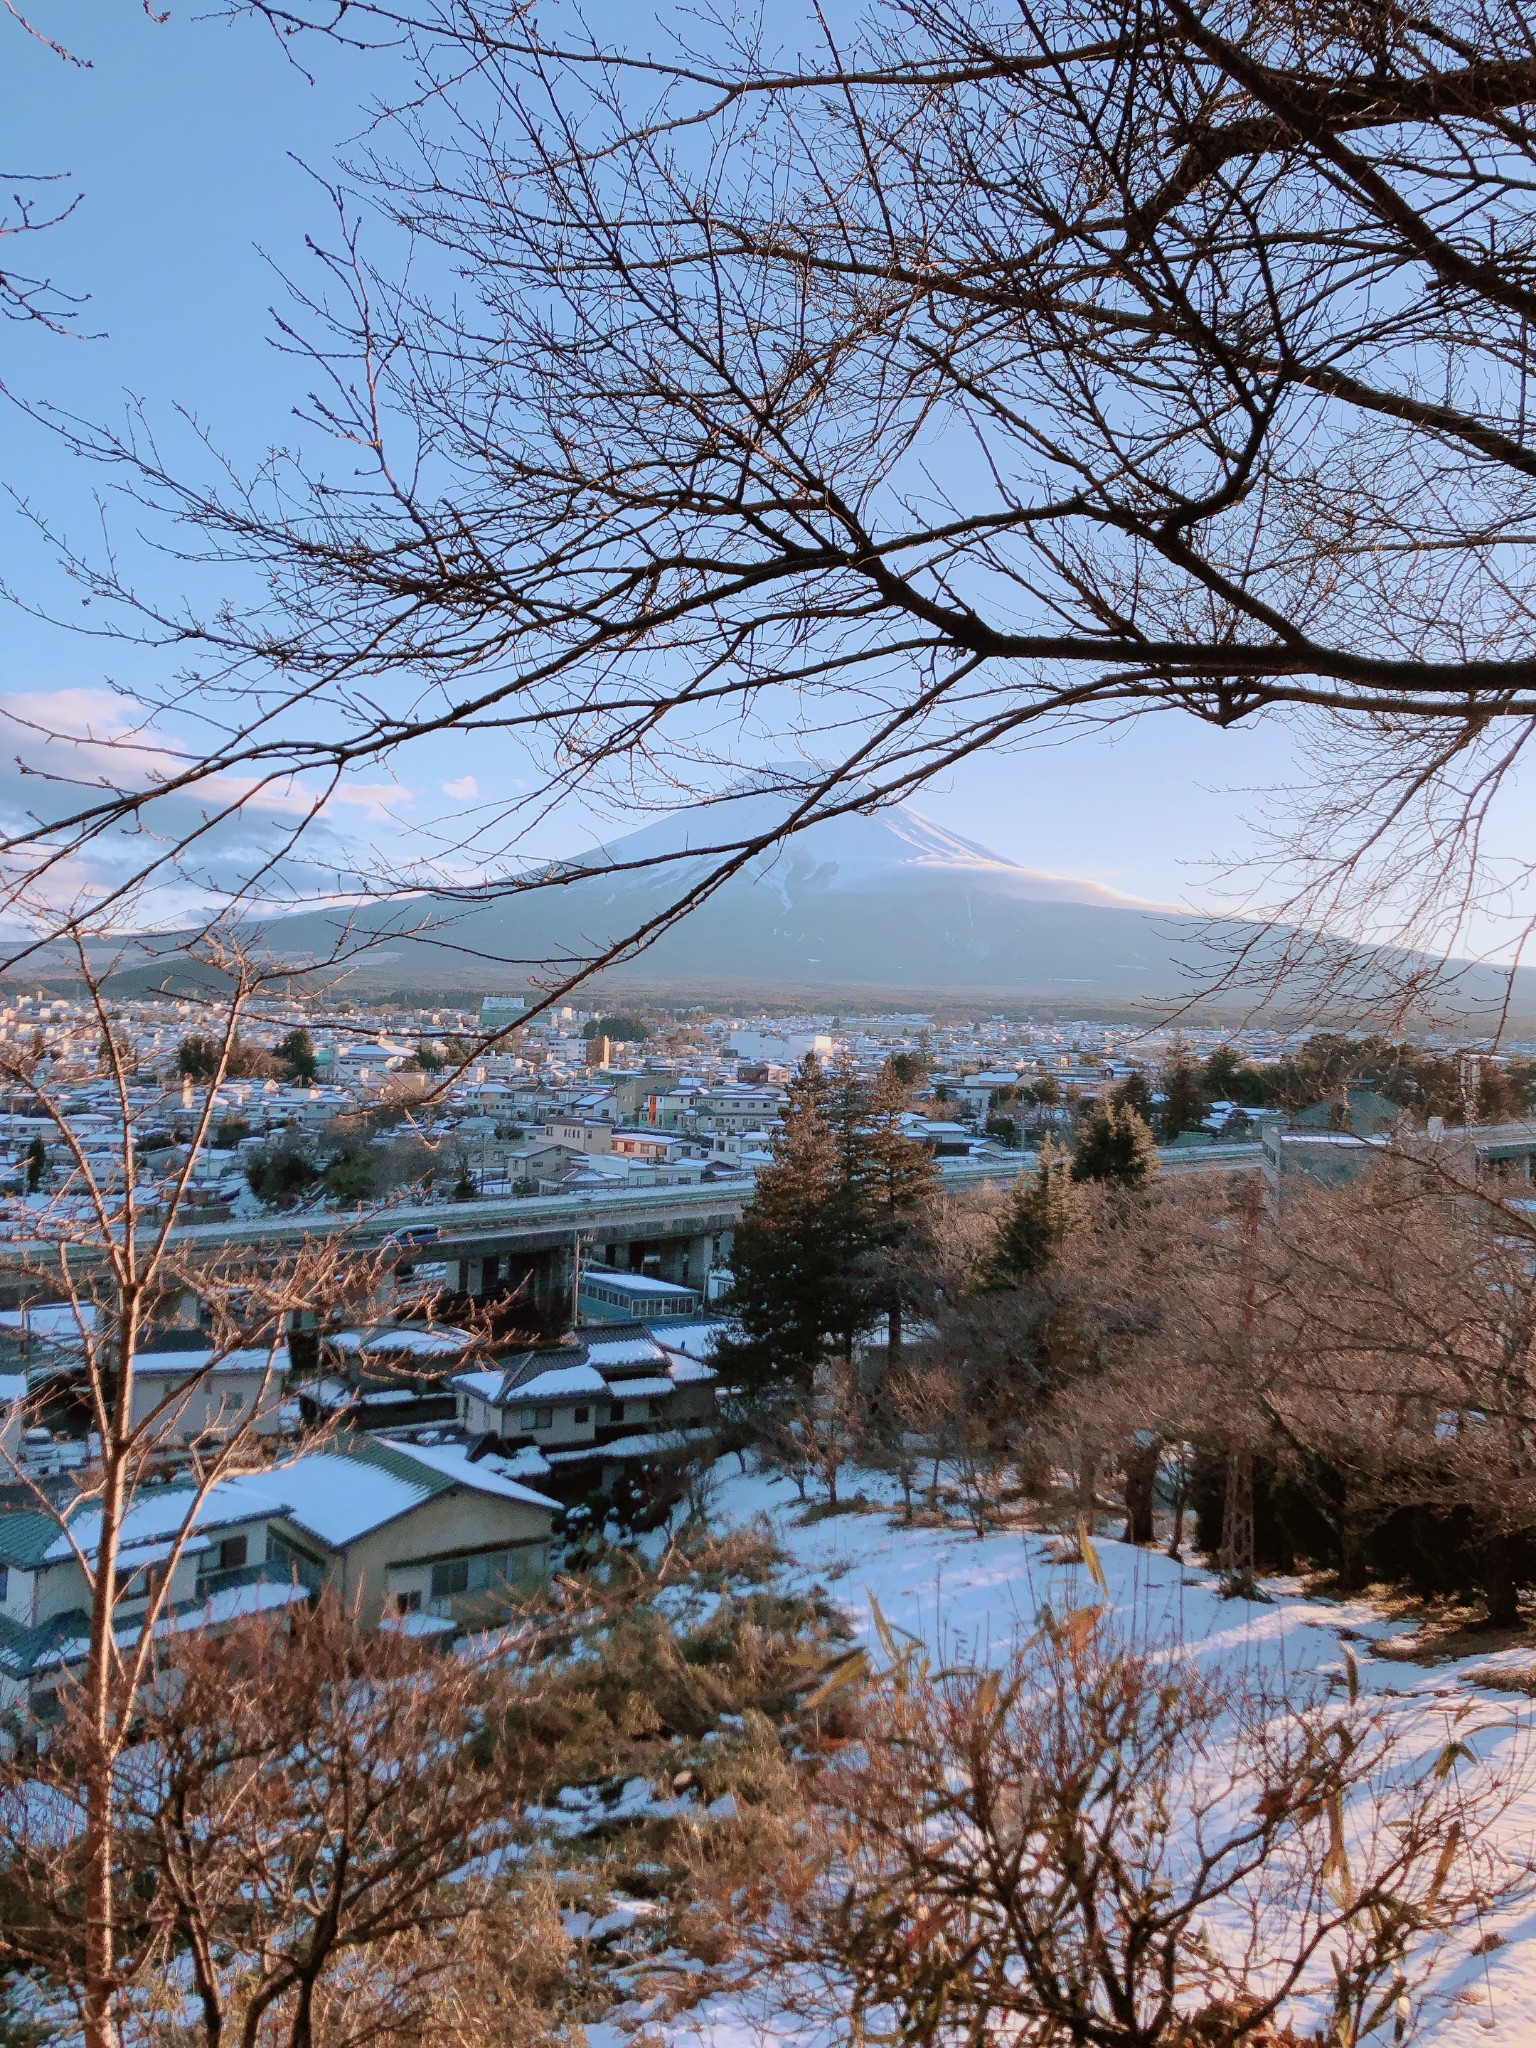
(972, 1600)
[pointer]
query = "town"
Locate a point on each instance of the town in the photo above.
(539, 1351)
(767, 1025)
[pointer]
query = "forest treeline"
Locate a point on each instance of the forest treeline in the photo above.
(1343, 1382)
(1179, 1094)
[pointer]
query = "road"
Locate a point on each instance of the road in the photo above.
(533, 1223)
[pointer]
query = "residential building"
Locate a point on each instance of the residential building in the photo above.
(592, 1393)
(398, 1530)
(198, 1397)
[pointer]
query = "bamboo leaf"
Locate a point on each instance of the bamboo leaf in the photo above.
(1090, 1557)
(843, 1672)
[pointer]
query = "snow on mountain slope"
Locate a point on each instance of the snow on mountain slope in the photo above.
(854, 851)
(889, 900)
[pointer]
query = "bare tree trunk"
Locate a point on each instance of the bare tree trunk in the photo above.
(1351, 1545)
(1499, 1588)
(1140, 1483)
(1236, 1560)
(99, 1845)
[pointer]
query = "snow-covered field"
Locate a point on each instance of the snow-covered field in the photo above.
(972, 1600)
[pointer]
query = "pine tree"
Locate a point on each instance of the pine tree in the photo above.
(1184, 1106)
(296, 1053)
(895, 1182)
(789, 1253)
(819, 1250)
(1136, 1091)
(1115, 1146)
(1042, 1213)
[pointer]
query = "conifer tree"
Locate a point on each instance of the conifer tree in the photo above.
(895, 1181)
(789, 1247)
(1184, 1106)
(1115, 1146)
(1136, 1090)
(1042, 1213)
(818, 1253)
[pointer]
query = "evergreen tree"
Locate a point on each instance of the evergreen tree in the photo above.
(1184, 1106)
(1115, 1146)
(1135, 1090)
(789, 1253)
(894, 1182)
(908, 1069)
(198, 1057)
(1228, 1077)
(1495, 1099)
(36, 1157)
(284, 1171)
(296, 1054)
(1042, 1213)
(820, 1250)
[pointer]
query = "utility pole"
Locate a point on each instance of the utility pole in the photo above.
(1236, 1555)
(575, 1278)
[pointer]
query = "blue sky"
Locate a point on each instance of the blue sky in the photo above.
(189, 141)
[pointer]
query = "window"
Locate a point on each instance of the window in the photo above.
(528, 1418)
(616, 1412)
(450, 1577)
(577, 1415)
(408, 1603)
(487, 1571)
(658, 1404)
(297, 1563)
(543, 1418)
(5, 1580)
(142, 1581)
(233, 1552)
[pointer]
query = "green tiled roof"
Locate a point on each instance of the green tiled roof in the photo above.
(25, 1534)
(23, 1650)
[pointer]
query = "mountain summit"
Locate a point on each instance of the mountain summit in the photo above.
(888, 901)
(858, 850)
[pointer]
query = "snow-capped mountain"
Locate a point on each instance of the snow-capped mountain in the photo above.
(889, 900)
(848, 852)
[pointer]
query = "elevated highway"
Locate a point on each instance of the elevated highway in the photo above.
(679, 1233)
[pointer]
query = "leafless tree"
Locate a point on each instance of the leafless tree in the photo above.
(1095, 1843)
(313, 1832)
(116, 1253)
(984, 374)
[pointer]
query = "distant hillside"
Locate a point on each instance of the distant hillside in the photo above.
(890, 905)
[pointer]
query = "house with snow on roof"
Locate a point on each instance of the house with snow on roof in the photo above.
(203, 1397)
(397, 1530)
(45, 1594)
(400, 1529)
(391, 1376)
(603, 1396)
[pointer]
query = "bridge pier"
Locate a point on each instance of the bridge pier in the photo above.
(533, 1289)
(683, 1260)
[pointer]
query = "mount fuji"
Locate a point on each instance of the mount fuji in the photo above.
(887, 902)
